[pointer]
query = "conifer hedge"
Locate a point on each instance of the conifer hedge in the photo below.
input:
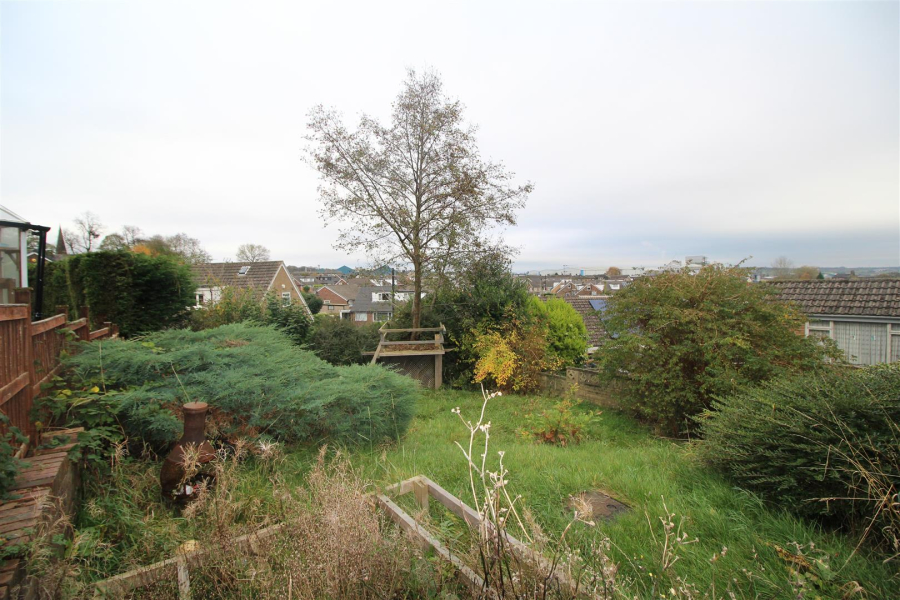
(824, 445)
(256, 381)
(139, 293)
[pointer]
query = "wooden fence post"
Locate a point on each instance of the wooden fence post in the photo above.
(85, 332)
(62, 309)
(23, 296)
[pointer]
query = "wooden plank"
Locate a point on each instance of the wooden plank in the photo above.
(415, 342)
(184, 580)
(39, 327)
(73, 325)
(473, 519)
(420, 490)
(14, 312)
(14, 387)
(99, 333)
(36, 388)
(404, 487)
(412, 352)
(419, 330)
(408, 524)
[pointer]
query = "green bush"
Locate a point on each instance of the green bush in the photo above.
(256, 381)
(824, 445)
(9, 464)
(234, 305)
(678, 340)
(566, 334)
(480, 298)
(242, 305)
(139, 293)
(341, 342)
(313, 302)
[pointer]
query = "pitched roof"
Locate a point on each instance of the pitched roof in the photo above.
(258, 274)
(857, 297)
(582, 304)
(345, 291)
(364, 303)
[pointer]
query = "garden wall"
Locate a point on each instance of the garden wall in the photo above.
(590, 388)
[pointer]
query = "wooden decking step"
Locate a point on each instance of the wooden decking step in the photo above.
(44, 487)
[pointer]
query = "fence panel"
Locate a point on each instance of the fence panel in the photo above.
(16, 366)
(30, 356)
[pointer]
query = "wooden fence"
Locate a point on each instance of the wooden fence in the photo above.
(30, 355)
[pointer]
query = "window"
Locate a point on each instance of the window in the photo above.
(243, 270)
(382, 316)
(331, 307)
(361, 317)
(286, 298)
(817, 328)
(199, 298)
(381, 296)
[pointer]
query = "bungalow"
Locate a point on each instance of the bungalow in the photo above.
(862, 316)
(261, 277)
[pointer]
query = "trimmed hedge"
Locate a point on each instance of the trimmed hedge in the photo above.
(805, 439)
(139, 293)
(257, 382)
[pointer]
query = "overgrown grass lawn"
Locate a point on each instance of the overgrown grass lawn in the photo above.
(123, 523)
(649, 474)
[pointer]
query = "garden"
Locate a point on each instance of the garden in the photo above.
(743, 461)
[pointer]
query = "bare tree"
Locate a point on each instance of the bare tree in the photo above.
(131, 235)
(783, 266)
(416, 190)
(189, 248)
(84, 236)
(252, 253)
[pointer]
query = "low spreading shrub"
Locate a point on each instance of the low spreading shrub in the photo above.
(826, 445)
(255, 380)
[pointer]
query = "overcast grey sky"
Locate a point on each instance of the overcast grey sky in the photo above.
(650, 130)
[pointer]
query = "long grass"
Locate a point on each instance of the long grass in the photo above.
(743, 549)
(743, 546)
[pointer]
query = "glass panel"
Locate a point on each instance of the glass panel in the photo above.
(10, 263)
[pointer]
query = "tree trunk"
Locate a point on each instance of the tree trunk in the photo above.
(417, 299)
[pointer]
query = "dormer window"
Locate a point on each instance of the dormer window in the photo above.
(243, 270)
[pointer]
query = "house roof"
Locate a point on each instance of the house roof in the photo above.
(582, 304)
(345, 291)
(364, 301)
(259, 275)
(857, 297)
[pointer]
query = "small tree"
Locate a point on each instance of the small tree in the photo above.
(566, 332)
(614, 272)
(680, 340)
(312, 301)
(807, 272)
(416, 190)
(252, 253)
